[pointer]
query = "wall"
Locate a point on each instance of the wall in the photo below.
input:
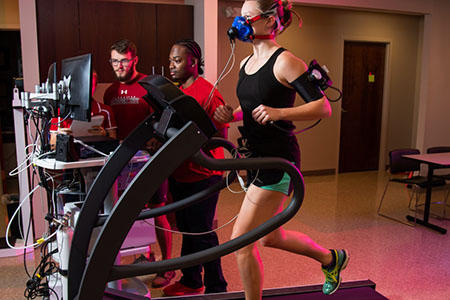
(9, 14)
(322, 37)
(431, 124)
(436, 122)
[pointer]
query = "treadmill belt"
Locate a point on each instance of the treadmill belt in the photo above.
(366, 293)
(354, 290)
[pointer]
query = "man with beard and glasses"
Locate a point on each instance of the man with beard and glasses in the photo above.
(125, 96)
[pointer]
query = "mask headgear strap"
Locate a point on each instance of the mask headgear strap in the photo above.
(263, 36)
(276, 10)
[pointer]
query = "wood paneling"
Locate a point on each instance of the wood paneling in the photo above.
(115, 21)
(170, 28)
(58, 32)
(68, 28)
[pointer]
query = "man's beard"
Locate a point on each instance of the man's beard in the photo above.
(127, 76)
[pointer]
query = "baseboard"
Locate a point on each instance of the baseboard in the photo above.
(319, 172)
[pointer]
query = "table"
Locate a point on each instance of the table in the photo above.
(433, 160)
(53, 164)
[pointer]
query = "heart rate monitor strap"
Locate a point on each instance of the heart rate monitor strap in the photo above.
(307, 89)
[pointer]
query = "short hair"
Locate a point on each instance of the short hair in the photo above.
(194, 49)
(124, 46)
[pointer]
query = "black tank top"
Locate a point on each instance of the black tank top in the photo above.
(263, 87)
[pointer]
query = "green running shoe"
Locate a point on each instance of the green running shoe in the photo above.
(332, 276)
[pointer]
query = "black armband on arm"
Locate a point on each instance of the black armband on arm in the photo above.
(306, 88)
(311, 84)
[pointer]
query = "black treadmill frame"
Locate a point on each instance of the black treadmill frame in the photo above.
(87, 276)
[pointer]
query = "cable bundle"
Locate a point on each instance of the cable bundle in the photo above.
(38, 285)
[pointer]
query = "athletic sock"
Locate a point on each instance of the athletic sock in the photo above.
(333, 261)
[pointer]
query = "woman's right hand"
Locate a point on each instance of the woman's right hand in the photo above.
(224, 114)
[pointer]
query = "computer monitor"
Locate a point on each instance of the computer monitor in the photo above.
(52, 78)
(76, 72)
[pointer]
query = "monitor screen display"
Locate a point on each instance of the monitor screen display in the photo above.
(76, 72)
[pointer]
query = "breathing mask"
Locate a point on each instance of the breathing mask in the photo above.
(242, 29)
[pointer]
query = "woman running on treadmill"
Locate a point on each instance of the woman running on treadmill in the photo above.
(268, 81)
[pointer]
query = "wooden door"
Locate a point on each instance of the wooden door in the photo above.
(362, 101)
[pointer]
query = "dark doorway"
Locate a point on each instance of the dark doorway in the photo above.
(362, 104)
(10, 68)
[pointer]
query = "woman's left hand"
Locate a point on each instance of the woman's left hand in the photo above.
(263, 114)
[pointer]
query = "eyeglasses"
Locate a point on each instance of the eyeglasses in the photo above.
(125, 62)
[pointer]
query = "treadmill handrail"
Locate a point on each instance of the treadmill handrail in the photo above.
(125, 271)
(193, 199)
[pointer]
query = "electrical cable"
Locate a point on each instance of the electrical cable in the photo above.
(90, 148)
(35, 287)
(296, 132)
(12, 218)
(65, 118)
(244, 189)
(336, 89)
(221, 76)
(317, 122)
(192, 233)
(25, 241)
(14, 173)
(31, 203)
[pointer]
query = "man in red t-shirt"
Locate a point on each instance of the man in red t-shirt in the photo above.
(188, 179)
(125, 96)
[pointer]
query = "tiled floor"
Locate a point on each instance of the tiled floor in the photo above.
(338, 212)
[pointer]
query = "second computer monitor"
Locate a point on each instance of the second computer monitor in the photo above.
(77, 72)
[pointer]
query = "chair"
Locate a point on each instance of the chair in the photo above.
(446, 177)
(406, 168)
